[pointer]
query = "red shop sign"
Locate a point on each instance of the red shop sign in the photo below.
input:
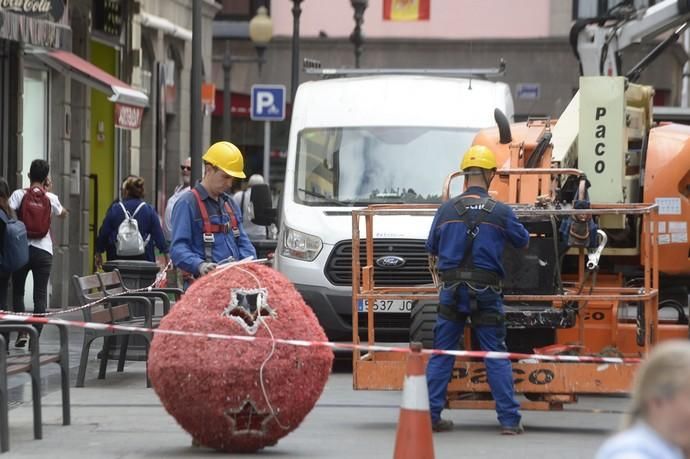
(128, 116)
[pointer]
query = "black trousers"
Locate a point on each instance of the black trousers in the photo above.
(4, 288)
(40, 263)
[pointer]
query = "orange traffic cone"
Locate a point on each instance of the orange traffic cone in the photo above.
(414, 438)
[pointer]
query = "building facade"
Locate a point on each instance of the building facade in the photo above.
(531, 36)
(77, 89)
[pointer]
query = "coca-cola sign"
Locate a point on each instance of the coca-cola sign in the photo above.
(128, 116)
(42, 9)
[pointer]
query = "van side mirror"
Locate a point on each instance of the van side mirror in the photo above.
(264, 212)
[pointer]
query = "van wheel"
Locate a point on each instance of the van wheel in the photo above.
(423, 319)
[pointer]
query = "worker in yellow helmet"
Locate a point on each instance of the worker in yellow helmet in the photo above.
(467, 237)
(479, 160)
(206, 223)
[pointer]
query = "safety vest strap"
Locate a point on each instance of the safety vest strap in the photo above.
(465, 203)
(209, 229)
(477, 318)
(462, 205)
(475, 275)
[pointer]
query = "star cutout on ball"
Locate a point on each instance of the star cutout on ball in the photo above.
(248, 307)
(248, 420)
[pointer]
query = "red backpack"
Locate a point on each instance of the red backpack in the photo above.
(34, 212)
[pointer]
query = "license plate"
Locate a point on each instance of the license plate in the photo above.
(383, 306)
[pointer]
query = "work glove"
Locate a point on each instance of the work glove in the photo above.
(205, 268)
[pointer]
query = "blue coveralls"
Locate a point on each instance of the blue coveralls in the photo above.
(187, 246)
(447, 240)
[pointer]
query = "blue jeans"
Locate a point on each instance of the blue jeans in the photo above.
(447, 335)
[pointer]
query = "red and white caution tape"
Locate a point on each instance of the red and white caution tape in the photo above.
(156, 283)
(160, 275)
(332, 345)
(42, 318)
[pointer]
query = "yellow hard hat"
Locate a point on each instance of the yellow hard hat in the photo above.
(226, 157)
(478, 156)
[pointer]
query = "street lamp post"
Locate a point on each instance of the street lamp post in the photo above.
(260, 33)
(196, 121)
(356, 36)
(227, 98)
(294, 80)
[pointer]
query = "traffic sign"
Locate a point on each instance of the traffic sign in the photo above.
(268, 102)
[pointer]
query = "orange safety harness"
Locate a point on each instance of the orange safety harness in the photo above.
(209, 229)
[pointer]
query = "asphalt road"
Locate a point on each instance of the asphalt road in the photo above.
(119, 418)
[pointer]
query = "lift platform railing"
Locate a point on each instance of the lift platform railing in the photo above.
(385, 370)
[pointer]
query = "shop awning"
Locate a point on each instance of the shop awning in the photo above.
(32, 31)
(92, 76)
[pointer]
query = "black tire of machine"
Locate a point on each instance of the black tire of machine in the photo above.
(422, 321)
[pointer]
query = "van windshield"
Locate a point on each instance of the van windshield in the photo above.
(377, 165)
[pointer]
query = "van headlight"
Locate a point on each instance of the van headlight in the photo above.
(301, 246)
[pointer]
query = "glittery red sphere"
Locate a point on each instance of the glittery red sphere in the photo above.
(216, 389)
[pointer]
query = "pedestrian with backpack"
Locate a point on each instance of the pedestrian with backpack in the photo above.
(206, 223)
(131, 227)
(35, 207)
(14, 246)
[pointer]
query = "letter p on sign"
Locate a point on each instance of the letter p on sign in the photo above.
(267, 102)
(264, 103)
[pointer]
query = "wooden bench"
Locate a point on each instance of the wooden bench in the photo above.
(112, 283)
(118, 310)
(31, 364)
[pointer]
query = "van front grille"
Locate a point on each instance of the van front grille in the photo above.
(413, 271)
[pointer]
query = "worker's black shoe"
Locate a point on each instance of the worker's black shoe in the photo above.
(512, 430)
(442, 425)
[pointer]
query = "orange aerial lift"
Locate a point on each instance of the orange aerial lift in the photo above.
(615, 299)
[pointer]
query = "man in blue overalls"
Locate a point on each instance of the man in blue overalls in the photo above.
(206, 223)
(467, 236)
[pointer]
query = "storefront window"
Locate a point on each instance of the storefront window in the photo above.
(34, 136)
(35, 119)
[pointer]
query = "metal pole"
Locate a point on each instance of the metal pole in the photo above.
(296, 11)
(356, 36)
(267, 151)
(685, 91)
(227, 95)
(195, 109)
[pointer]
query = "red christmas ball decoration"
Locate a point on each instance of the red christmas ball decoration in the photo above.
(232, 395)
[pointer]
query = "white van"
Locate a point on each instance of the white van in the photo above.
(362, 140)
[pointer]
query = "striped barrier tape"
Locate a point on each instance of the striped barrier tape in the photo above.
(159, 278)
(329, 344)
(156, 283)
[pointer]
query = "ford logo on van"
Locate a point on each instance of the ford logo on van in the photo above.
(390, 261)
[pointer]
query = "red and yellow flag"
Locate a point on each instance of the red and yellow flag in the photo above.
(406, 10)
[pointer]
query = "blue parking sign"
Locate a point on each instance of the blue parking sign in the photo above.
(268, 102)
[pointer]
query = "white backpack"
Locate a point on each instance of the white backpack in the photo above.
(129, 241)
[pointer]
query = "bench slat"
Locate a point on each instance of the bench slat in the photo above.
(89, 282)
(26, 359)
(18, 368)
(101, 316)
(120, 312)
